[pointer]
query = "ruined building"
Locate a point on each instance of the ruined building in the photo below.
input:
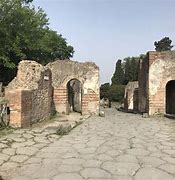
(156, 83)
(131, 97)
(76, 86)
(29, 94)
(63, 86)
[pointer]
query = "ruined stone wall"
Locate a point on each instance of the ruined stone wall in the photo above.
(157, 69)
(130, 99)
(161, 71)
(87, 73)
(143, 86)
(30, 94)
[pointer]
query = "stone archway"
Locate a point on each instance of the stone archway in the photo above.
(170, 97)
(87, 73)
(74, 95)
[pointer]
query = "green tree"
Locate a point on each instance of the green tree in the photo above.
(25, 34)
(131, 68)
(113, 92)
(163, 45)
(116, 93)
(118, 76)
(104, 90)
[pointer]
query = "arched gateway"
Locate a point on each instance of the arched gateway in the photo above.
(76, 86)
(74, 93)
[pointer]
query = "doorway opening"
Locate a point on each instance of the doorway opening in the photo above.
(74, 90)
(170, 97)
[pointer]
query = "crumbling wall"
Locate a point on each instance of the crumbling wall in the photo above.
(161, 71)
(87, 73)
(157, 69)
(30, 94)
(130, 98)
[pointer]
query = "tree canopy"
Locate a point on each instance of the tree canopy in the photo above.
(118, 76)
(131, 68)
(25, 34)
(126, 70)
(104, 90)
(163, 45)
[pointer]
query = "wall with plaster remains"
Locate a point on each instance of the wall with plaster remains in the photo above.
(157, 69)
(86, 73)
(30, 94)
(131, 97)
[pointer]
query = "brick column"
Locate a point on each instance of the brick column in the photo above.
(60, 99)
(20, 104)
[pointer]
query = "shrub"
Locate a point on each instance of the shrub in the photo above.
(116, 93)
(63, 130)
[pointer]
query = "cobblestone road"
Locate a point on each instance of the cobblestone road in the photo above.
(119, 146)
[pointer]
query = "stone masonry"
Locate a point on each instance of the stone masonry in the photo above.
(119, 146)
(29, 94)
(131, 100)
(157, 70)
(86, 73)
(38, 90)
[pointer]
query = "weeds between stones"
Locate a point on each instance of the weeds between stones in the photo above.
(64, 130)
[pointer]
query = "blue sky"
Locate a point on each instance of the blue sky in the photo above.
(106, 30)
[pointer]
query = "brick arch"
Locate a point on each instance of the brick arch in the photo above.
(69, 78)
(87, 73)
(61, 95)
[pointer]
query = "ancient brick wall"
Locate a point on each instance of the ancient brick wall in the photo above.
(30, 94)
(86, 73)
(131, 101)
(20, 103)
(161, 71)
(143, 85)
(157, 69)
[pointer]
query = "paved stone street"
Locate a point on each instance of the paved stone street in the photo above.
(120, 146)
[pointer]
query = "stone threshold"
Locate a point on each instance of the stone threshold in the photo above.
(171, 116)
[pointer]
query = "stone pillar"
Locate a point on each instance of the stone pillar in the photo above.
(20, 103)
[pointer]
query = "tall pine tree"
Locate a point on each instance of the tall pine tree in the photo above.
(131, 68)
(118, 76)
(163, 45)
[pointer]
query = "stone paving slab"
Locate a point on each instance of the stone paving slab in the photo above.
(119, 146)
